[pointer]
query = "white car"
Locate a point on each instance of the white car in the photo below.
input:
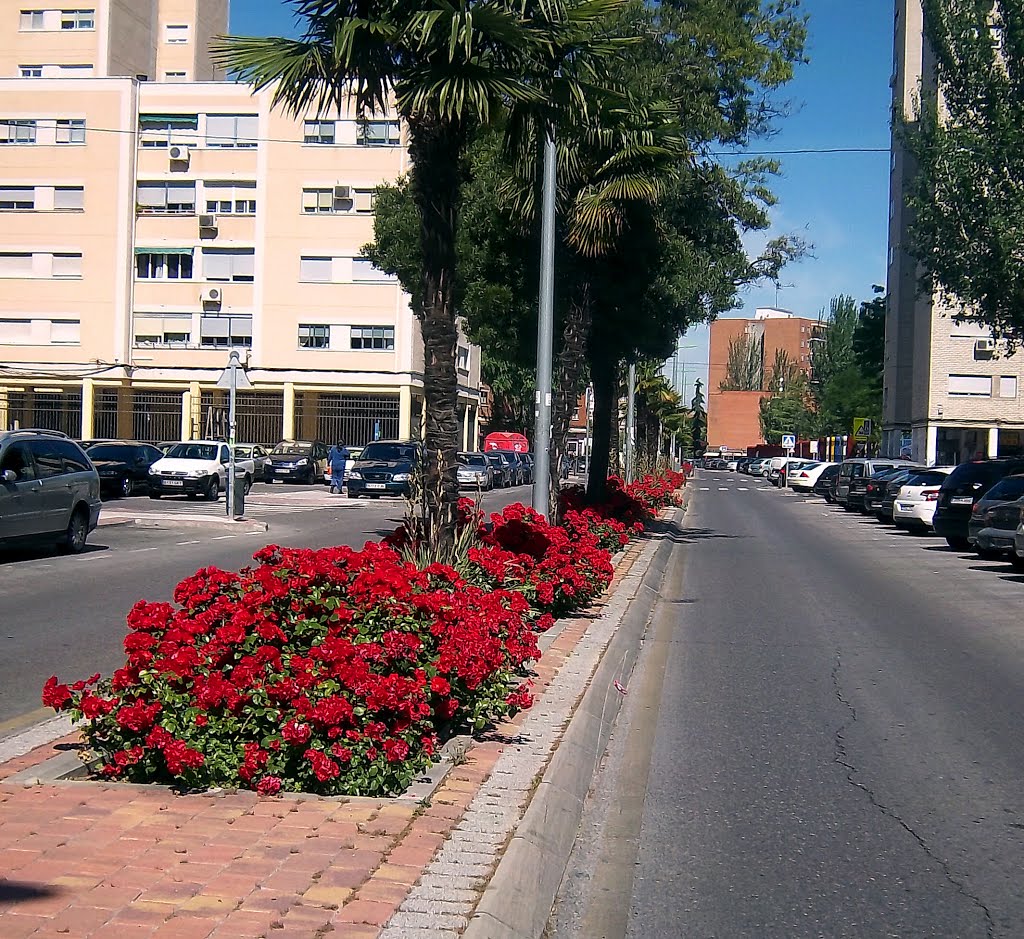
(914, 506)
(732, 465)
(803, 478)
(197, 468)
(353, 455)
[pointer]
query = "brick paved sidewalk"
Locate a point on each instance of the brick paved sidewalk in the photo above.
(80, 859)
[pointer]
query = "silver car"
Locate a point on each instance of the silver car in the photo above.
(48, 489)
(475, 471)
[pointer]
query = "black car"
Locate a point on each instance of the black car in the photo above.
(298, 460)
(876, 488)
(995, 518)
(961, 490)
(123, 465)
(502, 471)
(384, 468)
(826, 483)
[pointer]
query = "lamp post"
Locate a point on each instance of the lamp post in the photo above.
(630, 420)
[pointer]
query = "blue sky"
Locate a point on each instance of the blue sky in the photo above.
(837, 202)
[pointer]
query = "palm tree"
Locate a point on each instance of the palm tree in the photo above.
(447, 67)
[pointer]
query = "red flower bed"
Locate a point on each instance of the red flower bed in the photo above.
(339, 671)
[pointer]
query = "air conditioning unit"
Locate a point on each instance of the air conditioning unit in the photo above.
(178, 154)
(208, 221)
(342, 193)
(213, 295)
(984, 346)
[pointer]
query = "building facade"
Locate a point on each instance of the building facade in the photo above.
(149, 227)
(949, 392)
(733, 416)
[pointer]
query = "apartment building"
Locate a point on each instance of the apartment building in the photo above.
(734, 416)
(949, 392)
(153, 218)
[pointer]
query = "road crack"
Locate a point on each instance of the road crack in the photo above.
(842, 758)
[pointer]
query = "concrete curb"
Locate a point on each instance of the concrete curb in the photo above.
(170, 522)
(516, 903)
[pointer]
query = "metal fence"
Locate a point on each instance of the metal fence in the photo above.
(353, 419)
(259, 416)
(137, 414)
(50, 410)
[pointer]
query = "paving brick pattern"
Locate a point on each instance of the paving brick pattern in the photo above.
(80, 859)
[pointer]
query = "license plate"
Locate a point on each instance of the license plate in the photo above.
(280, 470)
(961, 500)
(376, 486)
(173, 482)
(903, 506)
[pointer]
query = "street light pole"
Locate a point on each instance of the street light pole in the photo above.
(545, 335)
(233, 366)
(630, 421)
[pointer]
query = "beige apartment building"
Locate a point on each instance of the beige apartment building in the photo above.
(153, 218)
(949, 391)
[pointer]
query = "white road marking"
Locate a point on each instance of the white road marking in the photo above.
(221, 537)
(705, 489)
(188, 542)
(723, 488)
(743, 489)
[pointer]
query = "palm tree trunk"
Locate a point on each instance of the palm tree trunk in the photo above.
(437, 145)
(604, 376)
(568, 386)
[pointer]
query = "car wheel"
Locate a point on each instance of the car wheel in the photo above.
(127, 487)
(213, 490)
(958, 542)
(78, 532)
(989, 554)
(155, 495)
(247, 485)
(829, 499)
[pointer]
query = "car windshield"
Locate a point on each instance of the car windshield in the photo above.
(292, 448)
(110, 452)
(926, 479)
(972, 478)
(1009, 489)
(388, 452)
(242, 453)
(472, 459)
(193, 451)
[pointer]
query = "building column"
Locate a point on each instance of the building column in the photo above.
(186, 415)
(993, 442)
(288, 417)
(125, 412)
(423, 418)
(931, 445)
(404, 412)
(194, 415)
(5, 414)
(465, 427)
(88, 408)
(476, 426)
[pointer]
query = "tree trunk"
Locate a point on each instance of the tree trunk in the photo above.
(569, 383)
(604, 376)
(436, 149)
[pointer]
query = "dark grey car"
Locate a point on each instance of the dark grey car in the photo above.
(48, 489)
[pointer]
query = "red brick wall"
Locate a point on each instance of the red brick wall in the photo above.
(733, 419)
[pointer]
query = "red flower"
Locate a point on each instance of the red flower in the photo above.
(269, 786)
(440, 685)
(54, 695)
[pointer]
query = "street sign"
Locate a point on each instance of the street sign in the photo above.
(861, 428)
(789, 441)
(814, 447)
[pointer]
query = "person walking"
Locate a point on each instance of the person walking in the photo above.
(338, 458)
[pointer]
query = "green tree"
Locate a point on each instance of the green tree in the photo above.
(698, 419)
(447, 68)
(744, 370)
(967, 193)
(788, 408)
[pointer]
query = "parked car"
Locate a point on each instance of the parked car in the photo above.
(1017, 558)
(384, 468)
(803, 478)
(781, 466)
(48, 489)
(197, 468)
(531, 464)
(526, 466)
(995, 517)
(515, 470)
(475, 471)
(260, 456)
(961, 490)
(913, 505)
(732, 465)
(826, 483)
(876, 487)
(298, 460)
(353, 456)
(853, 479)
(123, 465)
(501, 470)
(759, 467)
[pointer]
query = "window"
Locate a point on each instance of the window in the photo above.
(164, 197)
(32, 19)
(462, 359)
(365, 199)
(74, 70)
(229, 264)
(71, 130)
(970, 385)
(232, 130)
(168, 330)
(67, 265)
(160, 130)
(78, 19)
(1008, 386)
(158, 265)
(230, 198)
(225, 331)
(15, 264)
(175, 76)
(30, 71)
(15, 331)
(49, 462)
(318, 201)
(377, 338)
(318, 132)
(17, 198)
(364, 271)
(68, 198)
(315, 270)
(65, 332)
(314, 336)
(176, 32)
(17, 132)
(379, 134)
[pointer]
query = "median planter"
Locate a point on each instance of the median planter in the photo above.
(338, 671)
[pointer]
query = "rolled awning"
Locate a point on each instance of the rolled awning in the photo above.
(165, 249)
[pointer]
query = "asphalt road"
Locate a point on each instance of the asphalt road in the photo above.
(65, 615)
(823, 738)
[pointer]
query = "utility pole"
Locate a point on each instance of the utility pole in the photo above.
(545, 335)
(630, 421)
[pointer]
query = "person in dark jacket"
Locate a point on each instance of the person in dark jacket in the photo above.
(338, 458)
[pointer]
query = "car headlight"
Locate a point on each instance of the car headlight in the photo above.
(354, 475)
(401, 477)
(301, 462)
(199, 473)
(153, 472)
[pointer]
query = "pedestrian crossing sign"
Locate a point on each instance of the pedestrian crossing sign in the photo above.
(861, 428)
(789, 441)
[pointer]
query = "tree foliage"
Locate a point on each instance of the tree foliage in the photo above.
(966, 135)
(744, 370)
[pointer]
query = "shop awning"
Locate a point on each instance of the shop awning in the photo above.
(165, 249)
